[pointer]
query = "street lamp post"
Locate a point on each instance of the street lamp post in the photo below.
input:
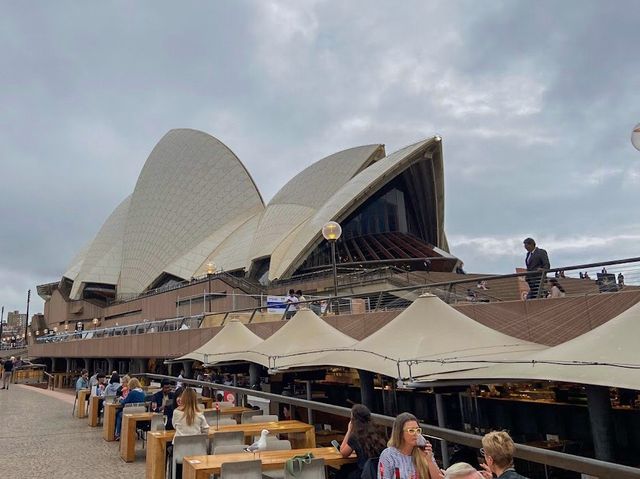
(210, 270)
(331, 232)
(26, 320)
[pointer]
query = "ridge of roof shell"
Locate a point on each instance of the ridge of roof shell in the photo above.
(300, 198)
(191, 184)
(288, 254)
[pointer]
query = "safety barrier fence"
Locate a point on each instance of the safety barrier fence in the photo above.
(604, 278)
(569, 462)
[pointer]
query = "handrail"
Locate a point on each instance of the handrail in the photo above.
(584, 465)
(50, 380)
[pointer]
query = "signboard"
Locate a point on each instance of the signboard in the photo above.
(276, 304)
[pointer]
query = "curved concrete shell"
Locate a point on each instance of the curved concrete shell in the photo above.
(103, 258)
(195, 203)
(301, 197)
(191, 185)
(291, 252)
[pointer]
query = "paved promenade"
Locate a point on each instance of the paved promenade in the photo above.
(40, 439)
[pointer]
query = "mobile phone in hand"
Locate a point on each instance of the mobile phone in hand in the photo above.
(336, 444)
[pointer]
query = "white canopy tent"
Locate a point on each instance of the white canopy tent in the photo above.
(305, 337)
(604, 356)
(426, 338)
(234, 342)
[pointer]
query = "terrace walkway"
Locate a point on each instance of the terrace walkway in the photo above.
(40, 439)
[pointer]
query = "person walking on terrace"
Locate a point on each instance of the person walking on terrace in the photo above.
(536, 260)
(7, 372)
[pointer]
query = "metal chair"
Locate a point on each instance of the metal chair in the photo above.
(313, 470)
(227, 438)
(210, 416)
(274, 444)
(229, 449)
(244, 418)
(267, 418)
(241, 470)
(195, 445)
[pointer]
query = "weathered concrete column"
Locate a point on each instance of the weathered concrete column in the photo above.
(366, 389)
(254, 376)
(442, 422)
(601, 421)
(88, 365)
(110, 366)
(186, 366)
(138, 366)
(69, 366)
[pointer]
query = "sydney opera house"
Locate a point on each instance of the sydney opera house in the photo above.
(196, 205)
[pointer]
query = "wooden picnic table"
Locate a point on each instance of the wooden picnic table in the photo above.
(109, 421)
(130, 422)
(201, 467)
(128, 433)
(301, 435)
(62, 380)
(94, 410)
(81, 404)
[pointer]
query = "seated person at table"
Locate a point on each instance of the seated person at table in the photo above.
(83, 381)
(98, 388)
(364, 438)
(498, 450)
(113, 386)
(403, 456)
(136, 395)
(175, 402)
(123, 390)
(163, 399)
(188, 419)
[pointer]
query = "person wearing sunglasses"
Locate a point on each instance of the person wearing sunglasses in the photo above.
(498, 450)
(404, 458)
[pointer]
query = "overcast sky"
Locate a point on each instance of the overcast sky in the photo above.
(535, 102)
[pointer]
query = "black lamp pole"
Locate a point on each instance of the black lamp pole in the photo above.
(26, 320)
(335, 274)
(1, 323)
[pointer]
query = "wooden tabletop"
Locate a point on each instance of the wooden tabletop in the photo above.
(301, 435)
(201, 467)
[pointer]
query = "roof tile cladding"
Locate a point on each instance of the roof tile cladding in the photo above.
(301, 197)
(288, 254)
(190, 186)
(103, 258)
(195, 202)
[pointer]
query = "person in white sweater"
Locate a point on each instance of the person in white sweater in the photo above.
(187, 418)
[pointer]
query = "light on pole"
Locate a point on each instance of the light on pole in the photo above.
(331, 232)
(26, 319)
(210, 270)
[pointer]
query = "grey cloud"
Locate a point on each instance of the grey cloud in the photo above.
(535, 101)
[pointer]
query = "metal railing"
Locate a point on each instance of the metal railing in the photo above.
(160, 326)
(583, 465)
(468, 289)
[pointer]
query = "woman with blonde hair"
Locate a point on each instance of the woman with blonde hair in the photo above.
(187, 417)
(405, 457)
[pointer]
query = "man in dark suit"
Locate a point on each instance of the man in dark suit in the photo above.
(536, 260)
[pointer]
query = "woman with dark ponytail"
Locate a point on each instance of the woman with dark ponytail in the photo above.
(364, 438)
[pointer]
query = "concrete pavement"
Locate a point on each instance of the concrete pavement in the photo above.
(40, 439)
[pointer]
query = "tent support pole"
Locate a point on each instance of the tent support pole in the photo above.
(442, 422)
